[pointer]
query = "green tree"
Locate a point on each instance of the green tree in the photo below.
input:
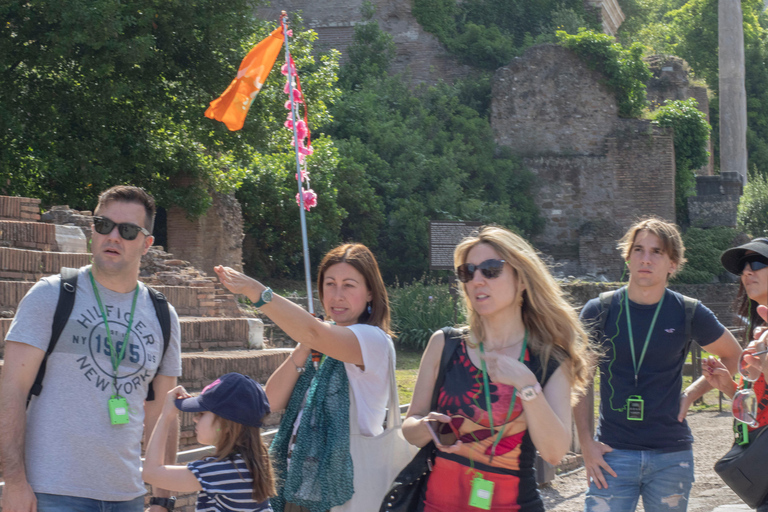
(413, 156)
(703, 250)
(691, 137)
(689, 29)
(753, 207)
(102, 92)
(489, 33)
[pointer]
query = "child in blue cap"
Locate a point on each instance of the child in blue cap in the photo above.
(239, 474)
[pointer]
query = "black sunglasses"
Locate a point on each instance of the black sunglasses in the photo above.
(756, 262)
(491, 269)
(128, 231)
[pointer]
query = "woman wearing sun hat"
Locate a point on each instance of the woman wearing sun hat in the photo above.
(750, 262)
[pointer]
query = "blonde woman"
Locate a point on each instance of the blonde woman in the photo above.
(507, 386)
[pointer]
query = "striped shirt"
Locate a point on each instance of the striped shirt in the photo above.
(227, 486)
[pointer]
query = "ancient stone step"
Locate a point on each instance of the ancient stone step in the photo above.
(11, 293)
(28, 235)
(30, 265)
(198, 369)
(202, 334)
(19, 208)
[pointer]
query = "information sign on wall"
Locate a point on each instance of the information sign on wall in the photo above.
(444, 236)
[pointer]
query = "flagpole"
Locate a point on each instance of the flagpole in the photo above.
(305, 243)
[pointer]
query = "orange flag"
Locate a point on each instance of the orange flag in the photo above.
(231, 107)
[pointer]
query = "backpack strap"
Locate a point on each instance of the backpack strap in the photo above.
(64, 307)
(690, 308)
(452, 339)
(164, 316)
(605, 307)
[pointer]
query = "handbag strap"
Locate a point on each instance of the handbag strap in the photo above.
(452, 340)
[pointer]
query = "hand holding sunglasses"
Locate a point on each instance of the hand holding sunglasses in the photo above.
(127, 230)
(491, 269)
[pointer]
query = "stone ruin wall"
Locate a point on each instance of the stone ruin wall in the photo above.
(214, 238)
(670, 82)
(597, 172)
(418, 53)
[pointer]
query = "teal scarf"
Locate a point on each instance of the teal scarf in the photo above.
(321, 474)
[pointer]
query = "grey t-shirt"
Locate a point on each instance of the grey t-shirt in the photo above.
(71, 446)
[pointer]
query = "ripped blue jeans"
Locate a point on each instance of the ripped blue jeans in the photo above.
(663, 479)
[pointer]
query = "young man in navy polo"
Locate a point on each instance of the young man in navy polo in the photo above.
(643, 445)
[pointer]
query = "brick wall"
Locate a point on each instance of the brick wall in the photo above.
(548, 102)
(27, 235)
(596, 172)
(215, 238)
(418, 54)
(203, 368)
(19, 208)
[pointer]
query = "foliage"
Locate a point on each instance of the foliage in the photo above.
(625, 72)
(753, 207)
(489, 33)
(419, 309)
(408, 157)
(703, 248)
(369, 56)
(689, 29)
(691, 137)
(102, 92)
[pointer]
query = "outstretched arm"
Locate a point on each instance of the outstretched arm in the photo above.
(335, 341)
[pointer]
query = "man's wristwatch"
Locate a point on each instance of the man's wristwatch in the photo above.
(166, 503)
(530, 392)
(266, 298)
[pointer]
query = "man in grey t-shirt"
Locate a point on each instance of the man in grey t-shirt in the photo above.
(79, 443)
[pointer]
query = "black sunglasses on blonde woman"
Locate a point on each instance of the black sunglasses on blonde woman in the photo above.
(491, 269)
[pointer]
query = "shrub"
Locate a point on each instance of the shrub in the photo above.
(624, 70)
(691, 136)
(419, 309)
(703, 248)
(753, 208)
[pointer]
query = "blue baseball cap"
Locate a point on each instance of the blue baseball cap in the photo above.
(234, 396)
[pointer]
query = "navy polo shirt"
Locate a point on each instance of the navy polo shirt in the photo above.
(660, 378)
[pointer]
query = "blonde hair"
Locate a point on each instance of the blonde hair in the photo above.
(669, 236)
(246, 440)
(553, 325)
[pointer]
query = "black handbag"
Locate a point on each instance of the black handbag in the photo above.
(409, 489)
(743, 468)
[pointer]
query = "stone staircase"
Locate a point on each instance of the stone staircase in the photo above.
(217, 337)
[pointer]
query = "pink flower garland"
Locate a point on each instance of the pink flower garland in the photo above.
(302, 132)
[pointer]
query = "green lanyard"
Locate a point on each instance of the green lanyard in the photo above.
(488, 395)
(116, 359)
(637, 364)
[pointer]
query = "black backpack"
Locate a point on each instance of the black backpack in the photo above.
(605, 306)
(64, 310)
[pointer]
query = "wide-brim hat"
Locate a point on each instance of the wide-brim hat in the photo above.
(234, 397)
(731, 258)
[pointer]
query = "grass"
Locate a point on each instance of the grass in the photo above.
(406, 371)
